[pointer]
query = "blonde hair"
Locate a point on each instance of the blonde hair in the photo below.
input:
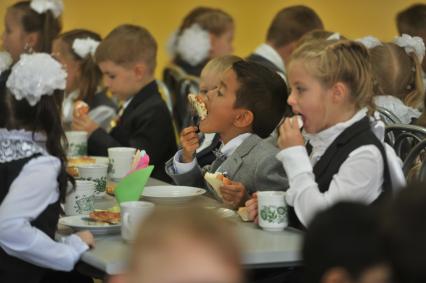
(398, 74)
(128, 44)
(165, 223)
(220, 64)
(317, 34)
(332, 61)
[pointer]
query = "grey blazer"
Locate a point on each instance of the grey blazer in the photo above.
(253, 163)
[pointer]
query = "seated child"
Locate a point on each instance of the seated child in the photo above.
(186, 244)
(246, 108)
(285, 30)
(30, 28)
(412, 21)
(344, 159)
(127, 59)
(205, 33)
(32, 174)
(344, 244)
(75, 50)
(398, 74)
(209, 80)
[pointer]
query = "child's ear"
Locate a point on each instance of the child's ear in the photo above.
(31, 40)
(140, 71)
(340, 92)
(244, 118)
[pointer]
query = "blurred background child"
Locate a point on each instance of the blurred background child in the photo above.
(186, 244)
(75, 50)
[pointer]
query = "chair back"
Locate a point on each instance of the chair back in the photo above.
(403, 138)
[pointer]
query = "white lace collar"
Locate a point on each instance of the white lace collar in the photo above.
(322, 140)
(266, 51)
(19, 144)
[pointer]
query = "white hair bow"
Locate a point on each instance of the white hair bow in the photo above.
(41, 6)
(35, 75)
(5, 61)
(369, 41)
(193, 45)
(85, 46)
(411, 44)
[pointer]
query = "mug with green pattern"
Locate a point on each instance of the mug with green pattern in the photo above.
(97, 173)
(272, 210)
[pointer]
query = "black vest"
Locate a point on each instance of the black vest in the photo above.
(13, 269)
(353, 137)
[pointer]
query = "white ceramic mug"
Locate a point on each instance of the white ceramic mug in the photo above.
(81, 199)
(97, 173)
(121, 159)
(272, 210)
(77, 143)
(132, 214)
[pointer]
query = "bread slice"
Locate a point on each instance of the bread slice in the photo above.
(199, 106)
(216, 180)
(243, 213)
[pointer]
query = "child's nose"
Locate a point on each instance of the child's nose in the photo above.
(291, 100)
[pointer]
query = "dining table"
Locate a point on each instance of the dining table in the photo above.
(260, 248)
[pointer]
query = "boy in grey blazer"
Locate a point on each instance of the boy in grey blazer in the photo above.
(244, 109)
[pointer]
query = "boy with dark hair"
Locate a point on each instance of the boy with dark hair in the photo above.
(244, 109)
(343, 244)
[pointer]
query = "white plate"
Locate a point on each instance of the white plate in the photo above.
(101, 159)
(78, 222)
(171, 194)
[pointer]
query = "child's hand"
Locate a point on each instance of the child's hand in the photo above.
(290, 134)
(251, 205)
(190, 142)
(233, 193)
(83, 123)
(87, 237)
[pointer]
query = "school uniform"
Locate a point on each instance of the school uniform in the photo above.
(188, 68)
(347, 162)
(267, 56)
(145, 124)
(247, 159)
(29, 211)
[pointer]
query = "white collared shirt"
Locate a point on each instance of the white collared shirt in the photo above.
(227, 149)
(35, 188)
(268, 52)
(359, 178)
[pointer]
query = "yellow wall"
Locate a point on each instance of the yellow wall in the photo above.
(351, 18)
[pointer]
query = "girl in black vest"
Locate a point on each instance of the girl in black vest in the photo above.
(33, 179)
(332, 90)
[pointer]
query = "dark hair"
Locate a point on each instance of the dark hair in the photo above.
(404, 227)
(44, 117)
(291, 23)
(91, 75)
(45, 24)
(345, 235)
(263, 92)
(412, 20)
(127, 44)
